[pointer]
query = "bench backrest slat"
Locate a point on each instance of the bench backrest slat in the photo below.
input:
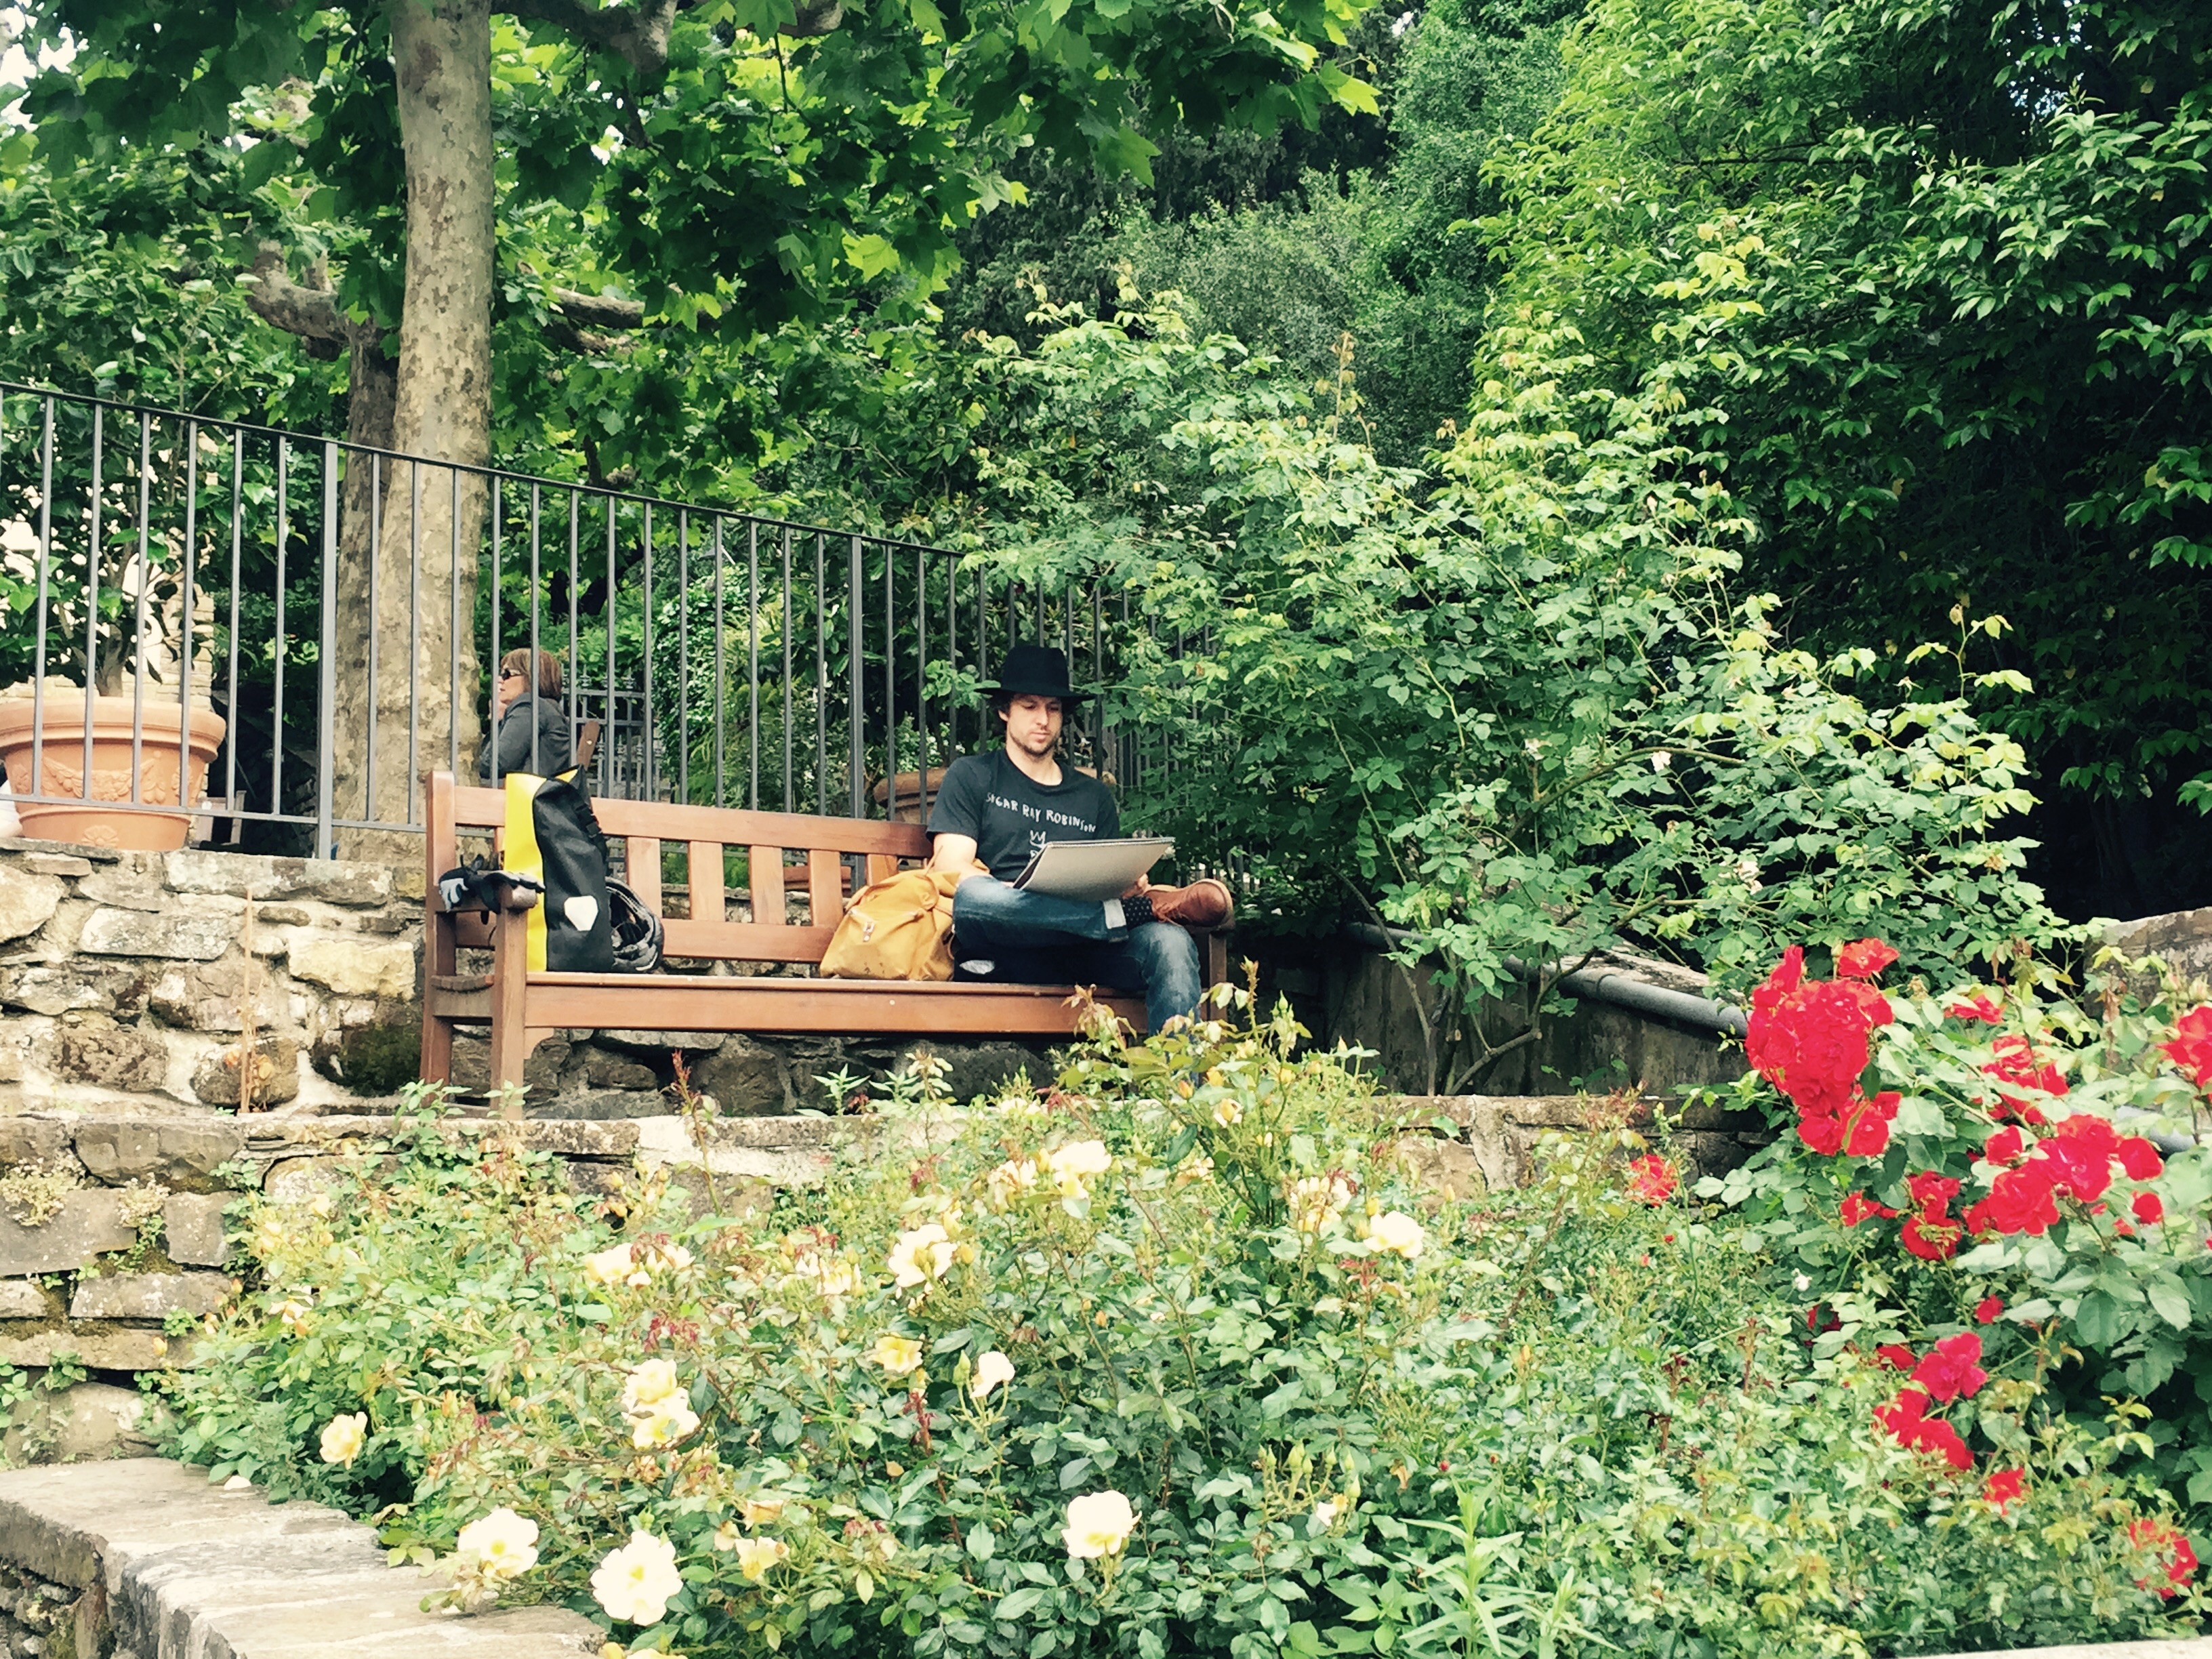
(705, 832)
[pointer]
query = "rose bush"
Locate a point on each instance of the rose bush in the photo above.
(2005, 1174)
(1203, 1370)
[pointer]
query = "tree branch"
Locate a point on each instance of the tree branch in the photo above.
(313, 313)
(597, 310)
(638, 33)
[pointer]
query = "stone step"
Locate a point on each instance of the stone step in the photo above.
(146, 1557)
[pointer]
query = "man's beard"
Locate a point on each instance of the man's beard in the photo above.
(1037, 748)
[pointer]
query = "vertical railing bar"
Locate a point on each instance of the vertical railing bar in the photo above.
(607, 776)
(92, 594)
(284, 536)
(184, 601)
(45, 564)
(375, 616)
(536, 511)
(721, 667)
(573, 680)
(752, 667)
(952, 655)
(138, 603)
(855, 732)
(237, 549)
(491, 736)
(453, 622)
(683, 653)
(413, 639)
(790, 799)
(325, 744)
(650, 767)
(985, 734)
(821, 680)
(920, 683)
(891, 687)
(1103, 750)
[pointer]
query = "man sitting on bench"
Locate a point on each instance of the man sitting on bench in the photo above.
(1001, 807)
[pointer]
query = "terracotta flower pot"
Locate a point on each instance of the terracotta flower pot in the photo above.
(61, 770)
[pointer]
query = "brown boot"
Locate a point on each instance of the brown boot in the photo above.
(1205, 904)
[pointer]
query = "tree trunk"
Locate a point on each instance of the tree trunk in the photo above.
(421, 711)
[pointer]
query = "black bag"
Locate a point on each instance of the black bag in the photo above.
(553, 837)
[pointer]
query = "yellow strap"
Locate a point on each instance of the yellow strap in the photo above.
(523, 856)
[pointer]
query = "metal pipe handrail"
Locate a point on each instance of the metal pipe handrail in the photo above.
(1599, 985)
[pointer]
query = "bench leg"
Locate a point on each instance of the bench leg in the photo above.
(437, 1045)
(510, 1041)
(1216, 959)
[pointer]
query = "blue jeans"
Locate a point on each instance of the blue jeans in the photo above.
(992, 920)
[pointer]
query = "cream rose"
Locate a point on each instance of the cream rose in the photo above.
(502, 1543)
(992, 1370)
(343, 1437)
(1098, 1525)
(1398, 1233)
(648, 1385)
(896, 1355)
(756, 1555)
(920, 1256)
(635, 1582)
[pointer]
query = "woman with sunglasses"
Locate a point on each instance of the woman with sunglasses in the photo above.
(530, 732)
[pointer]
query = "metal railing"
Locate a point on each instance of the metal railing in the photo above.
(341, 608)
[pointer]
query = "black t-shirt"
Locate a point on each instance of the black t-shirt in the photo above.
(1010, 815)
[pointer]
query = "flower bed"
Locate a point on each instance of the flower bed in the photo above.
(1164, 1359)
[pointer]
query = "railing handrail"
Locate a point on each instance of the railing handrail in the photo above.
(320, 439)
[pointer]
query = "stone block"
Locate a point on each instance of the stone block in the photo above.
(604, 1070)
(251, 875)
(175, 1151)
(88, 1225)
(298, 1180)
(150, 1297)
(1447, 1169)
(659, 1042)
(111, 1056)
(541, 1071)
(27, 901)
(600, 1107)
(41, 988)
(571, 1139)
(276, 1073)
(980, 1068)
(593, 1177)
(85, 1421)
(175, 934)
(192, 1230)
(34, 1140)
(127, 886)
(745, 1077)
(352, 965)
(666, 1141)
(23, 1298)
(98, 1347)
(212, 997)
(67, 865)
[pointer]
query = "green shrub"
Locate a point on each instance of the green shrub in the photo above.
(904, 1414)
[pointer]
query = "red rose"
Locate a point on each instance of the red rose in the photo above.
(1932, 1238)
(2140, 1159)
(1951, 1371)
(2148, 1533)
(2020, 1201)
(1809, 1040)
(1907, 1420)
(2148, 1207)
(1858, 1207)
(1933, 1193)
(2003, 1147)
(1988, 1309)
(2190, 1046)
(2018, 1063)
(1897, 1356)
(2003, 1488)
(1651, 1178)
(1864, 959)
(1977, 1006)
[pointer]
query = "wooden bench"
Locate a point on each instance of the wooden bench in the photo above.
(523, 1008)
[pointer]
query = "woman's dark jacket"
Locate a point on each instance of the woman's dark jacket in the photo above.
(550, 721)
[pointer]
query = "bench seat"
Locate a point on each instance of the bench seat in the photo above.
(522, 1009)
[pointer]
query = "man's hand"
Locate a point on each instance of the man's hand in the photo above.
(1142, 886)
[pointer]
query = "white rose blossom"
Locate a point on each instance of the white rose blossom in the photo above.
(343, 1437)
(993, 1370)
(634, 1583)
(1098, 1526)
(502, 1544)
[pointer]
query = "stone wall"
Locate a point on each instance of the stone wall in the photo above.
(126, 982)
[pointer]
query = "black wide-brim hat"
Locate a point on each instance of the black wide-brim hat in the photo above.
(1036, 671)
